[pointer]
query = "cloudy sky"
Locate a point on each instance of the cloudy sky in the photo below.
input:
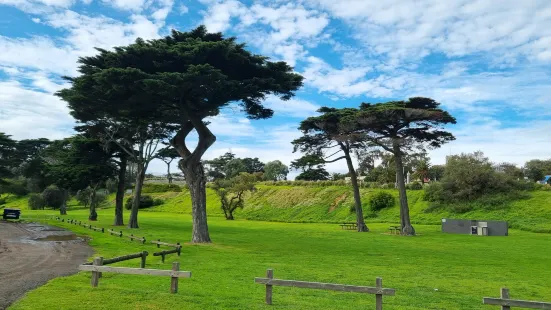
(488, 62)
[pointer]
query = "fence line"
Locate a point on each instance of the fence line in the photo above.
(143, 255)
(97, 268)
(159, 243)
(378, 291)
(164, 253)
(507, 303)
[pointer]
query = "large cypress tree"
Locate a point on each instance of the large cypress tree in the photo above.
(181, 80)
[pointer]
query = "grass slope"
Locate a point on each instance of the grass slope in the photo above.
(430, 271)
(302, 204)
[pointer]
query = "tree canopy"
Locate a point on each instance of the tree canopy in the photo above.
(275, 171)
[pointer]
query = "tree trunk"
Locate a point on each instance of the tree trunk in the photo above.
(93, 214)
(230, 216)
(63, 208)
(168, 175)
(195, 179)
(140, 177)
(407, 229)
(119, 200)
(357, 198)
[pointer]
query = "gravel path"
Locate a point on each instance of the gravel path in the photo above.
(31, 254)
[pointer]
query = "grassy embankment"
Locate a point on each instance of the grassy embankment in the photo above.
(430, 271)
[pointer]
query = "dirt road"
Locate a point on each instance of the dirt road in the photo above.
(32, 254)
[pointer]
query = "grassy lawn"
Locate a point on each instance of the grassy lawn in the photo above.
(430, 271)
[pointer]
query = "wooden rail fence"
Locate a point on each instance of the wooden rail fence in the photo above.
(132, 237)
(162, 254)
(378, 291)
(112, 232)
(143, 255)
(507, 303)
(159, 243)
(97, 268)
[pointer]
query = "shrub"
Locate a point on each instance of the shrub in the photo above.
(160, 188)
(381, 200)
(83, 196)
(415, 186)
(16, 188)
(146, 201)
(101, 197)
(111, 185)
(387, 186)
(158, 202)
(36, 202)
(352, 208)
(53, 197)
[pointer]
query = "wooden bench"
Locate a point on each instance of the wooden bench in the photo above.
(11, 214)
(349, 226)
(395, 229)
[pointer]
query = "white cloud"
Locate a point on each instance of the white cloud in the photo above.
(128, 5)
(413, 29)
(292, 108)
(27, 113)
(183, 9)
(36, 20)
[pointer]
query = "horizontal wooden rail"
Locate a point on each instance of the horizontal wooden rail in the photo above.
(164, 253)
(132, 237)
(136, 271)
(112, 232)
(97, 269)
(97, 229)
(117, 259)
(159, 243)
(507, 303)
(379, 291)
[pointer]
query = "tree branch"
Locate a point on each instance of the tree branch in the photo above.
(179, 140)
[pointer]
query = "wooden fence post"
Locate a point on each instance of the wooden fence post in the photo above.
(269, 287)
(101, 264)
(98, 261)
(144, 255)
(379, 297)
(174, 280)
(158, 245)
(505, 295)
(120, 234)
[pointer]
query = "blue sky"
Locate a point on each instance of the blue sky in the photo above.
(487, 62)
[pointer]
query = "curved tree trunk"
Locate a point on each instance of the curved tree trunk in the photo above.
(407, 229)
(357, 198)
(140, 176)
(119, 200)
(195, 179)
(93, 214)
(168, 175)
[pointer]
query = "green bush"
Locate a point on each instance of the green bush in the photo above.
(160, 188)
(146, 201)
(381, 200)
(53, 197)
(158, 202)
(36, 202)
(387, 186)
(415, 186)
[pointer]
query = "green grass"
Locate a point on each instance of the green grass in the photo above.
(462, 268)
(310, 204)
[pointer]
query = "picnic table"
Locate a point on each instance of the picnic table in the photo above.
(395, 228)
(12, 214)
(349, 226)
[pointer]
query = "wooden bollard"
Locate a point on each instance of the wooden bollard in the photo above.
(98, 261)
(269, 288)
(144, 256)
(505, 295)
(174, 280)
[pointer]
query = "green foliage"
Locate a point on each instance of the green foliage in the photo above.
(536, 169)
(146, 201)
(381, 200)
(313, 174)
(83, 196)
(111, 185)
(54, 197)
(13, 187)
(160, 188)
(468, 177)
(158, 202)
(415, 186)
(275, 171)
(36, 202)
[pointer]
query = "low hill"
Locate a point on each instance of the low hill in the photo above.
(332, 204)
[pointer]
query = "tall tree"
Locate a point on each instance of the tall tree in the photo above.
(183, 79)
(324, 134)
(314, 174)
(402, 127)
(167, 155)
(537, 169)
(77, 163)
(275, 171)
(214, 168)
(7, 154)
(253, 165)
(311, 167)
(422, 170)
